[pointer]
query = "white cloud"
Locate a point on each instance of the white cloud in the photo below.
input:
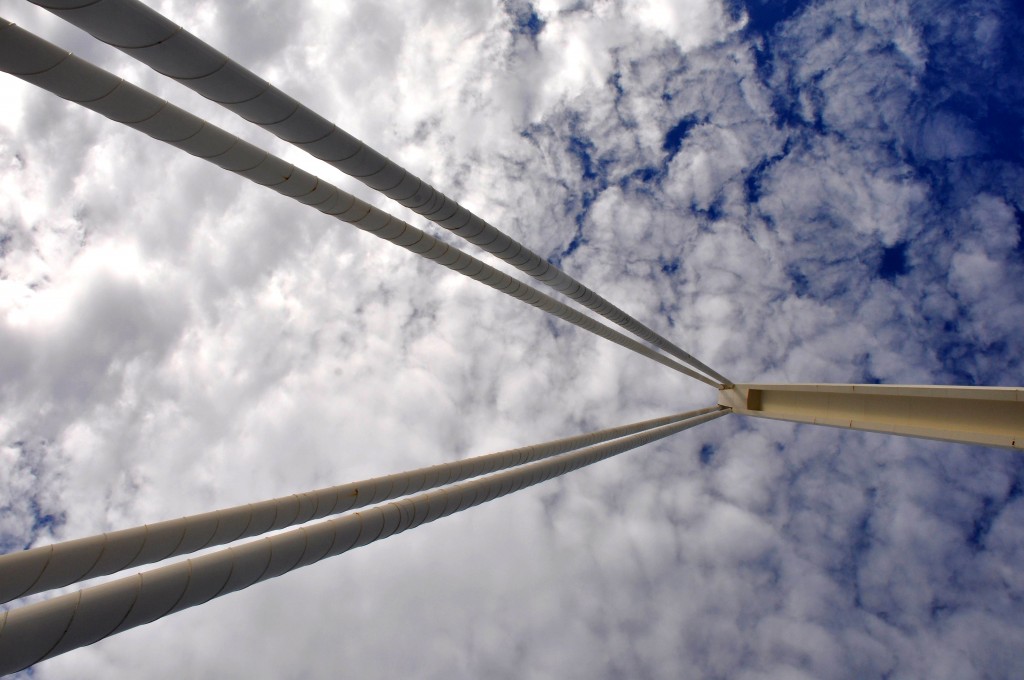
(175, 340)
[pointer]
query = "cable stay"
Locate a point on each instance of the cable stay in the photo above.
(42, 630)
(43, 64)
(156, 41)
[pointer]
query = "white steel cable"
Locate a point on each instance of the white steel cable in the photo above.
(41, 63)
(169, 49)
(43, 630)
(61, 564)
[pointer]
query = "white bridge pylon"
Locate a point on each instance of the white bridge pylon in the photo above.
(989, 416)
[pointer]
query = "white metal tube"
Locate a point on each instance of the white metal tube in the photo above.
(988, 416)
(156, 41)
(33, 59)
(39, 631)
(61, 564)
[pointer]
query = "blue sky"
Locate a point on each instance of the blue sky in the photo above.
(806, 192)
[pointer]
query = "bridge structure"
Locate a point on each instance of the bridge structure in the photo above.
(304, 528)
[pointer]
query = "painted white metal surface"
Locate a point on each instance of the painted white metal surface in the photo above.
(54, 566)
(40, 631)
(33, 59)
(989, 416)
(171, 50)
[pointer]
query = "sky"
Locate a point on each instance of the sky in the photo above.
(827, 191)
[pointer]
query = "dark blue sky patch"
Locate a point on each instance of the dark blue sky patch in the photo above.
(790, 99)
(9, 544)
(31, 458)
(894, 261)
(666, 312)
(582, 150)
(786, 107)
(594, 170)
(532, 131)
(42, 522)
(577, 240)
(707, 453)
(833, 291)
(859, 545)
(982, 85)
(593, 167)
(982, 524)
(615, 80)
(648, 173)
(675, 136)
(801, 286)
(775, 63)
(867, 376)
(957, 356)
(764, 65)
(644, 180)
(671, 266)
(941, 610)
(1017, 487)
(554, 328)
(817, 99)
(764, 16)
(753, 181)
(863, 535)
(713, 212)
(763, 19)
(526, 20)
(970, 109)
(579, 207)
(585, 203)
(1019, 216)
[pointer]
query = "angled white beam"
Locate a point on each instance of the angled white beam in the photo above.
(43, 64)
(61, 564)
(39, 631)
(169, 49)
(989, 416)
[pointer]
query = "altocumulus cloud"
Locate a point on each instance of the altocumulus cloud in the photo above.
(795, 191)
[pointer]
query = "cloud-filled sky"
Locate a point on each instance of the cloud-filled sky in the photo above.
(827, 191)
